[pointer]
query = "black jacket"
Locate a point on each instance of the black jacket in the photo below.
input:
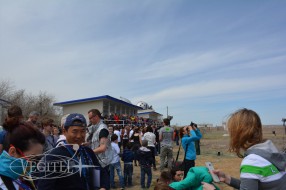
(145, 157)
(75, 181)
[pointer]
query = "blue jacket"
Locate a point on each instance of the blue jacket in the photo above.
(193, 180)
(190, 140)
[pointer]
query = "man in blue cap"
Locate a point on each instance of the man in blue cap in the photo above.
(72, 166)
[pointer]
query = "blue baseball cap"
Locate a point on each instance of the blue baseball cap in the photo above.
(70, 120)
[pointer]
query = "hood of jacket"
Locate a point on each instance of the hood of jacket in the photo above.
(268, 151)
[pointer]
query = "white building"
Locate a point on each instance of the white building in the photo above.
(105, 104)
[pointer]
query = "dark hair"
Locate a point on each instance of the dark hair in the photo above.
(174, 170)
(129, 145)
(181, 132)
(162, 186)
(114, 137)
(149, 129)
(13, 118)
(14, 111)
(95, 112)
(165, 176)
(166, 121)
(23, 136)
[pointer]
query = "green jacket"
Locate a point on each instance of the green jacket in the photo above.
(195, 176)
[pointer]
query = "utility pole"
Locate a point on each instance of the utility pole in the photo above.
(167, 112)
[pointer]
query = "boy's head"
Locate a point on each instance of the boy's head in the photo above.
(129, 145)
(144, 143)
(114, 137)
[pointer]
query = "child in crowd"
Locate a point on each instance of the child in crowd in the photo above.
(165, 177)
(115, 163)
(177, 173)
(145, 160)
(127, 158)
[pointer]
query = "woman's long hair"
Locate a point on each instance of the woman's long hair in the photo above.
(245, 130)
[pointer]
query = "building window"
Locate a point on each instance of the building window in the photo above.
(105, 108)
(112, 108)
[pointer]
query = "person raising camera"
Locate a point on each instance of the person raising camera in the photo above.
(189, 135)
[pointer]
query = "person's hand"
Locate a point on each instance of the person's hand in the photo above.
(85, 144)
(207, 186)
(222, 176)
(190, 128)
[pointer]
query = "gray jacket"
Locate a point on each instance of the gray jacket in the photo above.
(104, 158)
(276, 175)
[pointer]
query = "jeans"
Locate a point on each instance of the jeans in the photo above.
(158, 147)
(116, 166)
(148, 171)
(105, 181)
(128, 172)
(166, 152)
(152, 149)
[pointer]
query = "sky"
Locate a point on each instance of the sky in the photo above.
(201, 59)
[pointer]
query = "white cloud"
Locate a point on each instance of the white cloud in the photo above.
(214, 87)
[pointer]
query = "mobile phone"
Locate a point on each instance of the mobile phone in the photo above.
(210, 166)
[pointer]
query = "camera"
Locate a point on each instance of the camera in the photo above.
(194, 125)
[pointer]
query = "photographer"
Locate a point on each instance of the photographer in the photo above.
(189, 135)
(197, 143)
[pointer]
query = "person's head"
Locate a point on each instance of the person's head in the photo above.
(33, 117)
(129, 146)
(127, 128)
(245, 130)
(177, 174)
(136, 130)
(94, 116)
(184, 131)
(166, 121)
(165, 177)
(24, 140)
(149, 129)
(144, 143)
(47, 124)
(110, 129)
(114, 138)
(56, 130)
(75, 128)
(14, 116)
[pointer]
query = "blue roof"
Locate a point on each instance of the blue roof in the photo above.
(94, 99)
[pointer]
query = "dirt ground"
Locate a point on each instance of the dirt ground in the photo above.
(214, 140)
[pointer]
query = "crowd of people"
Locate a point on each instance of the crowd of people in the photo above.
(86, 155)
(125, 119)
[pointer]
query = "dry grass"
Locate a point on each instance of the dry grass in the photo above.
(213, 142)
